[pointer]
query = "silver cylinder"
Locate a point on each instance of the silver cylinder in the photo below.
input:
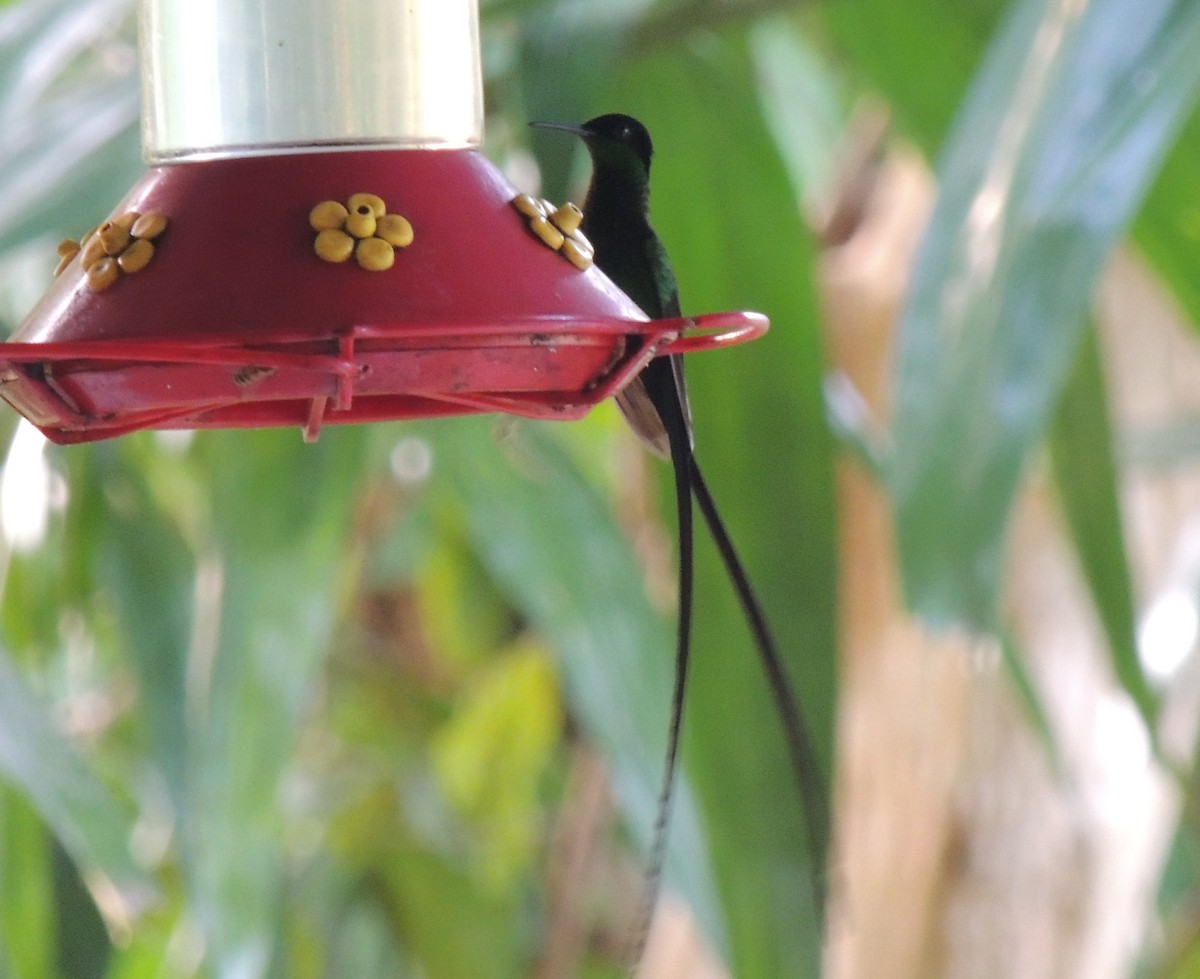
(244, 77)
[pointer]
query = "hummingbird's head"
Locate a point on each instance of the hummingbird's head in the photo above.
(616, 136)
(618, 144)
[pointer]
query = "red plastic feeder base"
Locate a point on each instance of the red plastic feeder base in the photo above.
(236, 321)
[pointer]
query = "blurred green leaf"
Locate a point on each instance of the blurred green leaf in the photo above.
(919, 56)
(69, 106)
(1186, 964)
(1167, 229)
(252, 670)
(433, 900)
(147, 572)
(91, 825)
(362, 946)
(1081, 451)
(492, 753)
(27, 912)
(82, 948)
(549, 540)
(803, 103)
(1064, 128)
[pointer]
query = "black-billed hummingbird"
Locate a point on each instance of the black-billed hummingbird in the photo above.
(616, 219)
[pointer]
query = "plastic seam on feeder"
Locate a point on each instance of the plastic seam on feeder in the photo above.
(345, 389)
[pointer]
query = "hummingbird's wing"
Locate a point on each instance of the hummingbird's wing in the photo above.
(671, 384)
(641, 414)
(651, 283)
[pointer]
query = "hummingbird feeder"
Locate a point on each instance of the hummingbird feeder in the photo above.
(318, 239)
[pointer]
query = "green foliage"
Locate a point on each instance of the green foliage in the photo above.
(491, 756)
(1167, 229)
(1081, 450)
(276, 709)
(1060, 136)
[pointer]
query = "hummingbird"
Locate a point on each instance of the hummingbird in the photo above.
(616, 219)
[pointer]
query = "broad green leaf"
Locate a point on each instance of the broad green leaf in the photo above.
(803, 103)
(26, 913)
(92, 826)
(918, 56)
(548, 539)
(280, 581)
(145, 956)
(1167, 229)
(81, 942)
(432, 896)
(143, 569)
(1081, 450)
(492, 754)
(223, 566)
(1030, 698)
(1064, 128)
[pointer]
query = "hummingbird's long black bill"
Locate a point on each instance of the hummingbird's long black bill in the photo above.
(562, 127)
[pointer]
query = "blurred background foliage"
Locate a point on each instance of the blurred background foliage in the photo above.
(276, 709)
